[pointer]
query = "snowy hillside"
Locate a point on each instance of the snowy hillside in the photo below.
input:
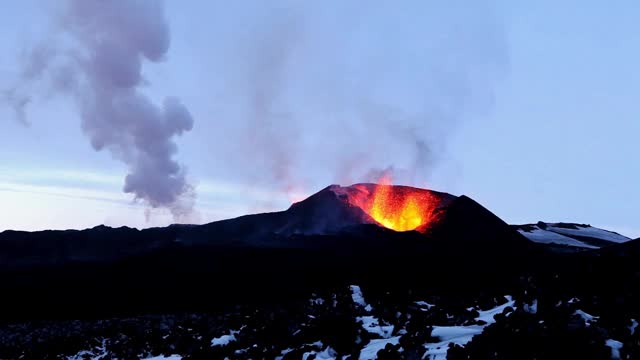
(575, 235)
(587, 231)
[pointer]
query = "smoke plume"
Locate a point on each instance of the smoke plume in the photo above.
(345, 90)
(96, 58)
(298, 94)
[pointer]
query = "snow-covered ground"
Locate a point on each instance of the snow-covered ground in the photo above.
(531, 308)
(590, 231)
(461, 335)
(446, 334)
(410, 328)
(549, 237)
(615, 348)
(97, 353)
(633, 326)
(548, 233)
(356, 296)
(424, 306)
(374, 326)
(101, 352)
(370, 351)
(588, 318)
(225, 339)
(326, 354)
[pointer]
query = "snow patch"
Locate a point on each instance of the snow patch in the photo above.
(283, 353)
(488, 315)
(326, 354)
(615, 346)
(549, 237)
(588, 318)
(372, 325)
(424, 305)
(370, 351)
(590, 231)
(634, 325)
(317, 301)
(162, 357)
(461, 335)
(225, 339)
(356, 296)
(531, 309)
(98, 353)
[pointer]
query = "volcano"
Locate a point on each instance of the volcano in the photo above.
(335, 208)
(357, 211)
(400, 208)
(370, 215)
(364, 232)
(432, 265)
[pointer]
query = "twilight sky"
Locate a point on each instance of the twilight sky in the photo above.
(531, 108)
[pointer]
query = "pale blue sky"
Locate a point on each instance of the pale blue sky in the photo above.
(544, 126)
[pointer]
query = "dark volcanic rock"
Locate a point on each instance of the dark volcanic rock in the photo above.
(326, 212)
(323, 240)
(468, 225)
(277, 284)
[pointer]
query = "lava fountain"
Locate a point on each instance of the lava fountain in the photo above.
(399, 208)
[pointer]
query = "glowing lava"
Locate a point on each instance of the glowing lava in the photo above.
(400, 208)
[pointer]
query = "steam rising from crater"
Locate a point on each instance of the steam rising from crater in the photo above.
(302, 94)
(345, 91)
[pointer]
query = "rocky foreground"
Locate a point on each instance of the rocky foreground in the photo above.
(322, 281)
(351, 323)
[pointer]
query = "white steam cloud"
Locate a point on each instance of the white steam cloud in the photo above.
(97, 59)
(342, 91)
(299, 94)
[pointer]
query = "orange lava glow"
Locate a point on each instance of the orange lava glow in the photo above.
(401, 208)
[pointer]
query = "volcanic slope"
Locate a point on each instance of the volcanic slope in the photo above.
(332, 211)
(569, 234)
(325, 240)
